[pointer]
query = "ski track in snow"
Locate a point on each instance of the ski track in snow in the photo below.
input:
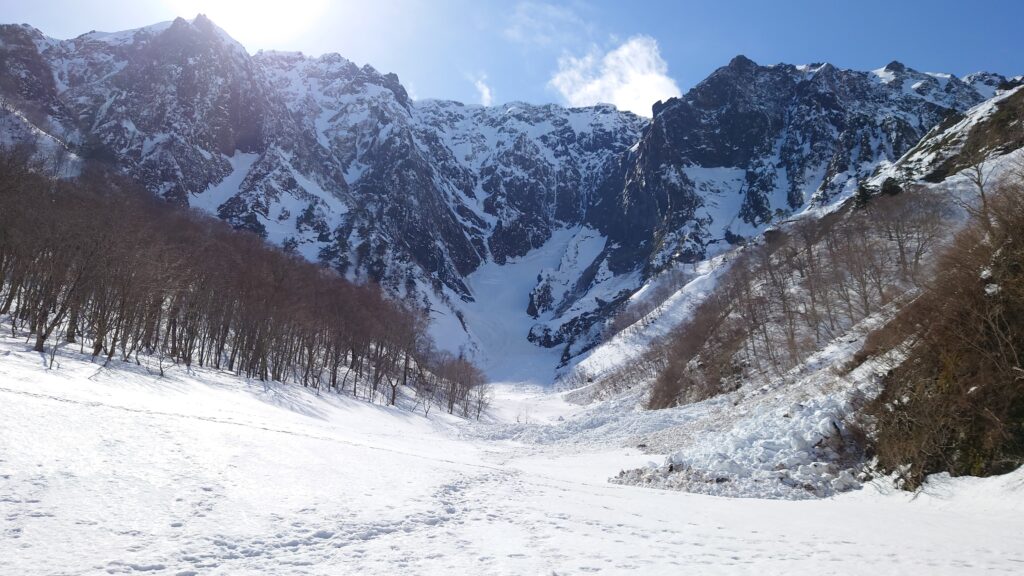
(115, 471)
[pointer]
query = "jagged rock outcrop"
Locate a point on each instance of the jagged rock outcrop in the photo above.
(983, 133)
(751, 144)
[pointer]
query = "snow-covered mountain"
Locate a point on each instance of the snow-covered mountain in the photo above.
(984, 133)
(339, 164)
(754, 143)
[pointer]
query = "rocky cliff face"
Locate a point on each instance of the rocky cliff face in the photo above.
(752, 144)
(336, 162)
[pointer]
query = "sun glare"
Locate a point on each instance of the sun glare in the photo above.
(256, 23)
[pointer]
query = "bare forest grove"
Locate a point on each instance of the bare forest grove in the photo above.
(95, 263)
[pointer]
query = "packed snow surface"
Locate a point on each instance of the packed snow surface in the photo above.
(117, 470)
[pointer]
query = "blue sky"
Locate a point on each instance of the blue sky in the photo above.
(580, 51)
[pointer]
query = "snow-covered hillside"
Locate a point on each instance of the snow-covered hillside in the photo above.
(785, 434)
(115, 470)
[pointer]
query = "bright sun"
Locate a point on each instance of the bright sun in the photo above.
(256, 23)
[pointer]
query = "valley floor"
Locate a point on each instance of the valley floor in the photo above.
(120, 471)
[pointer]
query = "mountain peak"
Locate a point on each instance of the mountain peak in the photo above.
(986, 83)
(741, 62)
(208, 29)
(895, 66)
(825, 69)
(202, 20)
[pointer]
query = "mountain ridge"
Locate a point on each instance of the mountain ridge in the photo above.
(336, 162)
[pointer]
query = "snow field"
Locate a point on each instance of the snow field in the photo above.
(114, 470)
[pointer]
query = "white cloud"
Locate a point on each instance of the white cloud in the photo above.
(632, 77)
(485, 91)
(540, 24)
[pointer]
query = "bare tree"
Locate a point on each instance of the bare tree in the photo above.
(97, 261)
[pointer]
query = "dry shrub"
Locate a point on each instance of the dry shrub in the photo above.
(699, 354)
(886, 337)
(806, 284)
(956, 403)
(636, 311)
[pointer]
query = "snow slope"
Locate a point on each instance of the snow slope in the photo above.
(497, 319)
(115, 470)
(675, 310)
